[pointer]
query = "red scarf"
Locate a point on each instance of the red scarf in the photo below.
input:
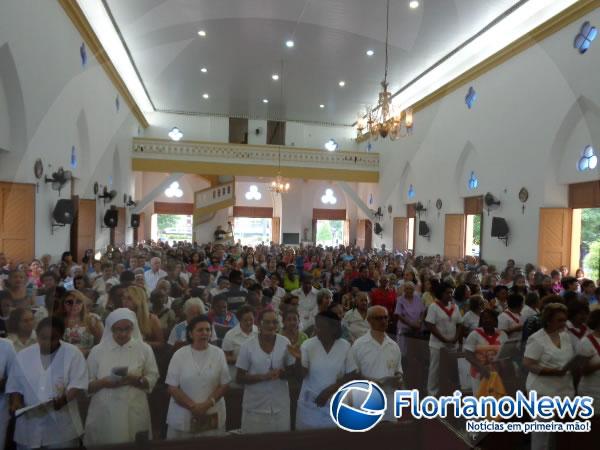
(448, 311)
(512, 316)
(594, 343)
(579, 332)
(491, 340)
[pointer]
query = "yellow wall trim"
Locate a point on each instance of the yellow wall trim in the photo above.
(78, 18)
(548, 28)
(252, 170)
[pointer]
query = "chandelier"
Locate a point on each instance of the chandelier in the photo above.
(279, 185)
(384, 119)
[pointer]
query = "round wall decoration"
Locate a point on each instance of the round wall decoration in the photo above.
(523, 195)
(38, 168)
(438, 203)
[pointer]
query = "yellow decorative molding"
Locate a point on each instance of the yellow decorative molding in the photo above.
(199, 212)
(252, 170)
(548, 28)
(80, 22)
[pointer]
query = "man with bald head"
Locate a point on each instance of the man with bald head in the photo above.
(378, 357)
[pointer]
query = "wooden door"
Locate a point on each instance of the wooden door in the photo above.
(276, 230)
(360, 233)
(368, 235)
(454, 236)
(400, 233)
(121, 228)
(17, 221)
(139, 233)
(554, 239)
(83, 230)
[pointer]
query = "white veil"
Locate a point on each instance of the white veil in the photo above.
(114, 317)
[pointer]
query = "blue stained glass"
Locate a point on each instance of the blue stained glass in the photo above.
(588, 160)
(73, 158)
(117, 103)
(369, 147)
(470, 97)
(110, 181)
(83, 54)
(585, 37)
(473, 182)
(370, 199)
(411, 192)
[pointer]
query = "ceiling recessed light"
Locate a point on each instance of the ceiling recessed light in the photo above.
(321, 106)
(203, 70)
(413, 4)
(275, 77)
(289, 44)
(342, 83)
(205, 96)
(265, 100)
(370, 52)
(202, 33)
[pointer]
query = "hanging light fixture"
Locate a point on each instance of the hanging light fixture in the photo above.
(279, 185)
(384, 119)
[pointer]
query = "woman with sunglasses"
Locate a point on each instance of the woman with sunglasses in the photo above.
(82, 329)
(122, 371)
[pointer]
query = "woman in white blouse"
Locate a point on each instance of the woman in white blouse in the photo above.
(119, 406)
(326, 365)
(197, 378)
(7, 359)
(589, 350)
(264, 363)
(239, 334)
(548, 357)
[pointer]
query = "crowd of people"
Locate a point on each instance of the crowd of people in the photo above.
(288, 326)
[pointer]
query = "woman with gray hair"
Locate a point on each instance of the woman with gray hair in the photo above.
(193, 307)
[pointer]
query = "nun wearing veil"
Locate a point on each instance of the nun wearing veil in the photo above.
(122, 371)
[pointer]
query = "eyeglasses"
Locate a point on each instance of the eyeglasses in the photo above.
(73, 302)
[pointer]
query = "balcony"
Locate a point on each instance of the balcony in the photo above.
(217, 158)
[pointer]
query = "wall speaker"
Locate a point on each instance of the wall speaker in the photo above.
(135, 221)
(64, 212)
(111, 218)
(423, 228)
(499, 227)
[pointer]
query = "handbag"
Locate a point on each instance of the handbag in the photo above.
(207, 422)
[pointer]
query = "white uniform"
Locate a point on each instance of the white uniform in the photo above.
(376, 361)
(324, 369)
(589, 347)
(509, 319)
(7, 359)
(116, 415)
(577, 334)
(45, 426)
(307, 306)
(198, 374)
(266, 405)
(541, 349)
(527, 312)
(356, 324)
(232, 342)
(446, 322)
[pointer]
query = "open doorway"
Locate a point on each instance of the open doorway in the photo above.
(252, 230)
(171, 227)
(589, 243)
(473, 235)
(411, 234)
(330, 233)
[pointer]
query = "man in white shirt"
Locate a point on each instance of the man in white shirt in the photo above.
(106, 278)
(357, 319)
(307, 306)
(7, 359)
(154, 274)
(378, 357)
(443, 320)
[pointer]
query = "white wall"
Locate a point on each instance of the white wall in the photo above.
(52, 103)
(533, 116)
(299, 134)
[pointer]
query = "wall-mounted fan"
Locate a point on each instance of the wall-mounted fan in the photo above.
(490, 201)
(59, 179)
(107, 195)
(130, 203)
(378, 214)
(420, 208)
(378, 229)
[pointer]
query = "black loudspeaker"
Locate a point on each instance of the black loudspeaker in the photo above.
(64, 212)
(111, 218)
(135, 220)
(378, 229)
(423, 228)
(499, 227)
